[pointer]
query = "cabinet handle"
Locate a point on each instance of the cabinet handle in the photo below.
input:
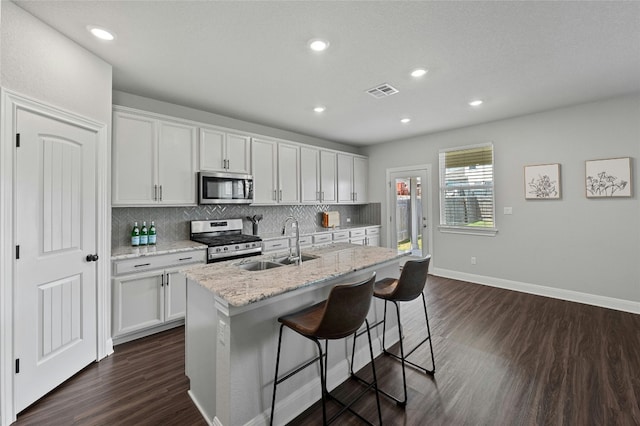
(355, 195)
(167, 280)
(280, 195)
(141, 265)
(321, 195)
(185, 258)
(162, 281)
(275, 195)
(160, 192)
(155, 192)
(276, 245)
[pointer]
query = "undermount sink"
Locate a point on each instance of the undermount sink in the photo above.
(263, 265)
(286, 260)
(260, 265)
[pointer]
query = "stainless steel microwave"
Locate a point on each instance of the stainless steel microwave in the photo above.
(225, 188)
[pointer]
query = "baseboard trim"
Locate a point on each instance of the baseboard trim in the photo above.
(540, 290)
(202, 412)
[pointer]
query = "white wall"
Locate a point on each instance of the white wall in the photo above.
(39, 62)
(569, 245)
(42, 64)
(160, 107)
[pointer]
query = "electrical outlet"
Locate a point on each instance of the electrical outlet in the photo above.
(222, 328)
(473, 260)
(508, 210)
(348, 220)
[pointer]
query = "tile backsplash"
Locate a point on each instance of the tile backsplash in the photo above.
(172, 223)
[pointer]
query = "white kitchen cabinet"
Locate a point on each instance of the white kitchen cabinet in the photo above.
(276, 172)
(328, 176)
(152, 300)
(352, 178)
(221, 151)
(288, 173)
(373, 236)
(154, 160)
(309, 175)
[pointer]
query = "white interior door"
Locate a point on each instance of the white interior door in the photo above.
(55, 285)
(408, 208)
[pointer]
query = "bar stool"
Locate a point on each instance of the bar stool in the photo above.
(408, 287)
(341, 315)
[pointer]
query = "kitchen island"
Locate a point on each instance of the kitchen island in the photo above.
(232, 331)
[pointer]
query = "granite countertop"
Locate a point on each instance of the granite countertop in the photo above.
(239, 287)
(318, 230)
(127, 252)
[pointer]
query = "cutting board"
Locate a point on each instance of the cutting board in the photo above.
(330, 219)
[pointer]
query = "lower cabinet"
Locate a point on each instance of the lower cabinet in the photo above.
(144, 303)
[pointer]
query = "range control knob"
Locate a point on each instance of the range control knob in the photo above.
(218, 250)
(237, 247)
(226, 248)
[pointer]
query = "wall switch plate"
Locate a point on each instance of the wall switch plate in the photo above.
(508, 210)
(473, 260)
(348, 220)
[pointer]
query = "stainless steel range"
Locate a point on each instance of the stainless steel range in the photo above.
(225, 239)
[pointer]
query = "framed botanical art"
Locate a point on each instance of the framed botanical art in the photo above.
(608, 178)
(542, 182)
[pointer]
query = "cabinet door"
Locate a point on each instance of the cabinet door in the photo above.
(238, 153)
(373, 240)
(138, 302)
(176, 163)
(328, 164)
(134, 160)
(309, 175)
(175, 290)
(288, 173)
(360, 179)
(345, 178)
(212, 152)
(264, 160)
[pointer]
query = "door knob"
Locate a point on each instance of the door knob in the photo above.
(92, 257)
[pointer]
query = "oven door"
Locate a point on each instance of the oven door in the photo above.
(225, 188)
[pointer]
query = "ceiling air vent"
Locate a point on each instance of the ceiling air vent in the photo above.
(382, 91)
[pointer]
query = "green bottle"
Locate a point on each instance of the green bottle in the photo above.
(152, 234)
(144, 234)
(135, 235)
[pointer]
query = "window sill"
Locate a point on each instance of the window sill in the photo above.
(468, 230)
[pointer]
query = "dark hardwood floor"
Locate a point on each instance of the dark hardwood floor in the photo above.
(502, 358)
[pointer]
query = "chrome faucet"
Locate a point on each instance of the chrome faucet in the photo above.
(298, 257)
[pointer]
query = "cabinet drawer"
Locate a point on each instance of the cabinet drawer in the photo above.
(341, 236)
(357, 232)
(322, 239)
(147, 263)
(275, 244)
(373, 231)
(305, 241)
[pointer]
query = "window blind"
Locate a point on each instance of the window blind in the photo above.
(466, 187)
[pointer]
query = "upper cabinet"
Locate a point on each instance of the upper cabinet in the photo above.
(154, 160)
(222, 151)
(276, 172)
(352, 178)
(318, 175)
(328, 174)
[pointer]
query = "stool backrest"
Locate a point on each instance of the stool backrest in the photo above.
(412, 279)
(346, 309)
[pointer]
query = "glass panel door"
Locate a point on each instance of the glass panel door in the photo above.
(409, 219)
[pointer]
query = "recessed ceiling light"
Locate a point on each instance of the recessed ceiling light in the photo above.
(419, 72)
(475, 103)
(101, 33)
(318, 45)
(319, 108)
(405, 120)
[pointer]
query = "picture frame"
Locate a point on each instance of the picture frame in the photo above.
(608, 178)
(542, 182)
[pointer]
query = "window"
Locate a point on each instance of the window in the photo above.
(466, 190)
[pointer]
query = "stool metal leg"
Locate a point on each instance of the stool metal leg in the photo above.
(275, 380)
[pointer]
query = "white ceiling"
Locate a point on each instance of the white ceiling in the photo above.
(249, 60)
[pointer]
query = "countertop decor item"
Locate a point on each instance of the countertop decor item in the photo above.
(254, 220)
